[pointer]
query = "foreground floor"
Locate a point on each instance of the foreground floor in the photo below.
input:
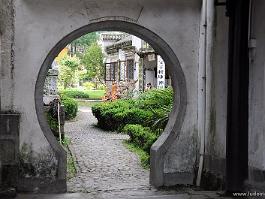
(193, 195)
(106, 169)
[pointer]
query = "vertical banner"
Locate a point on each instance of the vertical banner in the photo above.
(161, 67)
(122, 67)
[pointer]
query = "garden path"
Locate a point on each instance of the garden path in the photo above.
(107, 170)
(104, 163)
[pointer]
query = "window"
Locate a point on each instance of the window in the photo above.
(110, 70)
(130, 69)
(122, 71)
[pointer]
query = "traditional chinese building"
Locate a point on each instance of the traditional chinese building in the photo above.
(130, 59)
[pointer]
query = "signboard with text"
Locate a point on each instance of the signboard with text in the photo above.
(161, 67)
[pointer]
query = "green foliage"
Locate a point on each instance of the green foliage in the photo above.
(111, 115)
(53, 123)
(101, 87)
(143, 119)
(92, 86)
(150, 109)
(75, 93)
(162, 117)
(144, 156)
(155, 98)
(85, 40)
(93, 62)
(86, 103)
(70, 62)
(70, 107)
(96, 94)
(142, 137)
(89, 85)
(71, 165)
(83, 94)
(68, 75)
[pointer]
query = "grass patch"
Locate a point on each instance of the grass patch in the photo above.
(95, 94)
(86, 103)
(144, 157)
(71, 165)
(83, 94)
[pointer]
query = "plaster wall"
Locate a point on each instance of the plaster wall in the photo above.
(6, 54)
(216, 140)
(39, 25)
(257, 95)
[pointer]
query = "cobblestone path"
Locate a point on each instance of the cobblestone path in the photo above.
(107, 170)
(104, 164)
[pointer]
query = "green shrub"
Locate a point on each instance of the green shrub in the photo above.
(89, 85)
(102, 87)
(142, 137)
(155, 98)
(150, 109)
(143, 119)
(70, 107)
(96, 94)
(110, 115)
(83, 94)
(75, 93)
(144, 156)
(53, 123)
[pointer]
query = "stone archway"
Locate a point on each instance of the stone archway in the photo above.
(174, 125)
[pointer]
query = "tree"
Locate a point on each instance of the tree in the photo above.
(68, 71)
(83, 42)
(93, 61)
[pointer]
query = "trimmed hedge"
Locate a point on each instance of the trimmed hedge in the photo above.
(83, 94)
(115, 115)
(142, 137)
(70, 107)
(143, 119)
(75, 93)
(155, 99)
(112, 115)
(150, 108)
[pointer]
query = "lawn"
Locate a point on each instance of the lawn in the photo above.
(86, 103)
(95, 94)
(83, 94)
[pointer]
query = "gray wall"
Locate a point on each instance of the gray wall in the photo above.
(257, 96)
(41, 24)
(6, 57)
(216, 140)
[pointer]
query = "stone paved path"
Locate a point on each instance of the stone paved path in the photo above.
(107, 170)
(104, 164)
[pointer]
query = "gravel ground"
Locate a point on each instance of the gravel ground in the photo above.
(104, 164)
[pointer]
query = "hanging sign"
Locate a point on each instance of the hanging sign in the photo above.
(160, 72)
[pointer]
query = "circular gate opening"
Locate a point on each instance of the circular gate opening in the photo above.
(178, 84)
